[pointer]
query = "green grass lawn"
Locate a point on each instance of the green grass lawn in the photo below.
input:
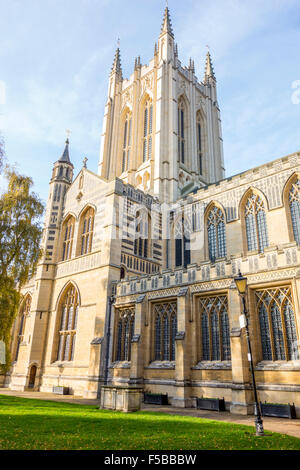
(46, 425)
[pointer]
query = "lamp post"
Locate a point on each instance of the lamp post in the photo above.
(241, 284)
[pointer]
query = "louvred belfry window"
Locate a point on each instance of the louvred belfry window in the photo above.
(181, 132)
(199, 143)
(148, 130)
(142, 226)
(126, 143)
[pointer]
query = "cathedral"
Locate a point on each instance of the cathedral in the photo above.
(136, 284)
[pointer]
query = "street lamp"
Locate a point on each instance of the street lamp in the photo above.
(241, 284)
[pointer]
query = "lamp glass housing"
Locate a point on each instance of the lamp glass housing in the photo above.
(241, 283)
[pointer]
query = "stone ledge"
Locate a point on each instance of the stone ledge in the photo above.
(208, 365)
(161, 365)
(278, 365)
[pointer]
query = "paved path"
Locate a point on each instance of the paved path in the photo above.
(281, 425)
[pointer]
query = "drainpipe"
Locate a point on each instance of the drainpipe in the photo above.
(111, 300)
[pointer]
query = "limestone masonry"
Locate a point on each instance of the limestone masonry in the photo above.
(136, 284)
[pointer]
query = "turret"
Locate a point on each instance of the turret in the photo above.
(62, 177)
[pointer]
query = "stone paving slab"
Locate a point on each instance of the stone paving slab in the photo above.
(280, 425)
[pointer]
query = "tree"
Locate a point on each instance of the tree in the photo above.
(20, 236)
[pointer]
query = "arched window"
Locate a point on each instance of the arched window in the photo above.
(24, 312)
(181, 132)
(148, 129)
(87, 227)
(125, 331)
(126, 143)
(199, 132)
(256, 224)
(214, 328)
(216, 234)
(294, 203)
(277, 324)
(68, 234)
(165, 329)
(68, 323)
(142, 235)
(182, 234)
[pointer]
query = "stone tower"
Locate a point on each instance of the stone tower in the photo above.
(162, 127)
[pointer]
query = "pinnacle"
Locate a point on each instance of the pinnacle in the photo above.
(167, 25)
(209, 70)
(116, 67)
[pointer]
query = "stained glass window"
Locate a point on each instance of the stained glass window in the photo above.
(68, 234)
(277, 324)
(87, 224)
(294, 202)
(68, 323)
(214, 328)
(165, 330)
(24, 312)
(256, 224)
(125, 331)
(216, 234)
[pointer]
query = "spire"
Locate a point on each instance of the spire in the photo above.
(176, 50)
(116, 67)
(192, 65)
(167, 25)
(65, 156)
(209, 70)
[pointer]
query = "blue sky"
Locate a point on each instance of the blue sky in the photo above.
(56, 56)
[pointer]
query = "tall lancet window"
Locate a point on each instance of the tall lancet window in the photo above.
(87, 224)
(68, 234)
(256, 224)
(148, 129)
(181, 132)
(165, 330)
(125, 331)
(216, 234)
(126, 143)
(142, 235)
(182, 233)
(25, 311)
(199, 143)
(294, 202)
(68, 324)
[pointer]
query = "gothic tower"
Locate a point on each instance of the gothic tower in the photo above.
(162, 127)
